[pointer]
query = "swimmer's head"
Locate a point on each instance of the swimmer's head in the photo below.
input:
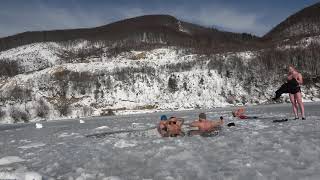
(202, 116)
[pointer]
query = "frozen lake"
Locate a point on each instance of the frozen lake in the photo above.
(254, 149)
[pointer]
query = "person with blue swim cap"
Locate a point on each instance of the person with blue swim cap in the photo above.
(170, 127)
(163, 118)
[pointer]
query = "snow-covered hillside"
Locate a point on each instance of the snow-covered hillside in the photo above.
(160, 79)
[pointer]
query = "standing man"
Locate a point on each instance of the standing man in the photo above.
(292, 86)
(294, 82)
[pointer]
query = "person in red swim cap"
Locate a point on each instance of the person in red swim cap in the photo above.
(239, 113)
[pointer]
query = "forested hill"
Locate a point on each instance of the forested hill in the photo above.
(304, 23)
(134, 32)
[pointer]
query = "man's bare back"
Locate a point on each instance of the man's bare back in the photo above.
(205, 125)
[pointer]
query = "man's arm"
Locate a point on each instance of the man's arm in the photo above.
(217, 123)
(180, 121)
(194, 124)
(162, 129)
(161, 125)
(299, 79)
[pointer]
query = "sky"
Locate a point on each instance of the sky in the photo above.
(251, 16)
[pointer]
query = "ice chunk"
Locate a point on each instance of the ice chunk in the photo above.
(32, 176)
(123, 144)
(68, 134)
(10, 159)
(32, 145)
(25, 141)
(137, 125)
(85, 176)
(39, 125)
(112, 178)
(102, 127)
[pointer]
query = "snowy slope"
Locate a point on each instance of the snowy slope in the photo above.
(302, 43)
(34, 56)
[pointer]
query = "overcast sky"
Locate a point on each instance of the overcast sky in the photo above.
(252, 16)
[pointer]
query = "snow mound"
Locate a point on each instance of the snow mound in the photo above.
(10, 160)
(32, 176)
(20, 176)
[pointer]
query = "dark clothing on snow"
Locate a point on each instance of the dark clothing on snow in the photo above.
(291, 86)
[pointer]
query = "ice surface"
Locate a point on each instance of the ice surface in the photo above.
(253, 149)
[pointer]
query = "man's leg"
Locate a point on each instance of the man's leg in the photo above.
(298, 97)
(294, 105)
